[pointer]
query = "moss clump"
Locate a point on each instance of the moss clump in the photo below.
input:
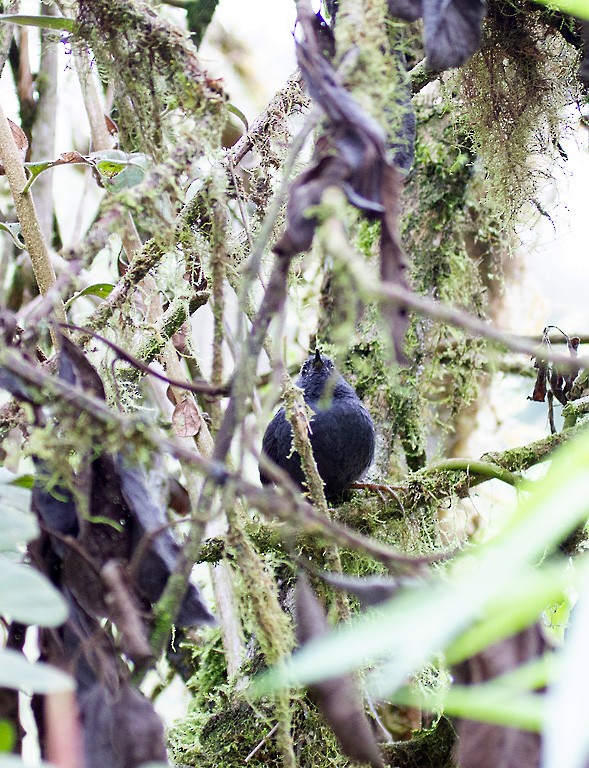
(154, 70)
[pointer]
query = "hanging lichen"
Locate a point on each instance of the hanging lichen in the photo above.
(510, 98)
(155, 73)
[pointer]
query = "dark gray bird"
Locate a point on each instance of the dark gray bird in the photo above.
(341, 430)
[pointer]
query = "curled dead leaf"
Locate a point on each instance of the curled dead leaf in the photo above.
(71, 157)
(186, 418)
(21, 141)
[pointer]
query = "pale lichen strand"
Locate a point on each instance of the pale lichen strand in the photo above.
(510, 99)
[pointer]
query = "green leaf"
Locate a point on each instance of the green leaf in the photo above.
(17, 523)
(102, 290)
(7, 736)
(566, 733)
(14, 231)
(129, 177)
(110, 168)
(11, 494)
(515, 609)
(23, 481)
(19, 673)
(44, 22)
(489, 702)
(121, 169)
(35, 170)
(578, 8)
(238, 113)
(199, 14)
(27, 596)
(16, 528)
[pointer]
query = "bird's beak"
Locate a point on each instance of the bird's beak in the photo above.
(317, 362)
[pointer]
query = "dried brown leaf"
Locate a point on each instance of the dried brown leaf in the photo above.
(21, 141)
(72, 157)
(539, 393)
(351, 155)
(338, 698)
(186, 418)
(482, 745)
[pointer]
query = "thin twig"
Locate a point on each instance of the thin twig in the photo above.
(286, 101)
(196, 387)
(261, 743)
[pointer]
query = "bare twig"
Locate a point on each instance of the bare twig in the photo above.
(286, 101)
(196, 387)
(261, 743)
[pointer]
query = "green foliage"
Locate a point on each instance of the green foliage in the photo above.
(28, 597)
(25, 594)
(7, 736)
(199, 14)
(43, 22)
(578, 8)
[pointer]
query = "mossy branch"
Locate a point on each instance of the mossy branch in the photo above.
(478, 470)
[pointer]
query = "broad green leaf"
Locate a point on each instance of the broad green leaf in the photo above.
(578, 8)
(27, 596)
(15, 233)
(102, 290)
(110, 168)
(17, 523)
(17, 672)
(44, 22)
(130, 176)
(23, 481)
(114, 163)
(16, 527)
(11, 494)
(198, 17)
